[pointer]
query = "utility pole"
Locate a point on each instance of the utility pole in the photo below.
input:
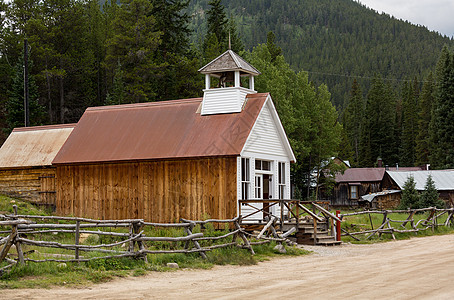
(26, 94)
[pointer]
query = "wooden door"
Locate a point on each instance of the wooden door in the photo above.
(47, 193)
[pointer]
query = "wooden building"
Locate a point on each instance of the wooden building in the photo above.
(354, 183)
(26, 169)
(386, 199)
(443, 179)
(189, 158)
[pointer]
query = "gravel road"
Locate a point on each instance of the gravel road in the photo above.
(419, 268)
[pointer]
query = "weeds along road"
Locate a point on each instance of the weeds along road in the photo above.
(420, 268)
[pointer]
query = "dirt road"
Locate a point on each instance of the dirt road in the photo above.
(418, 268)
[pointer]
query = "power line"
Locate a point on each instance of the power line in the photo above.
(365, 77)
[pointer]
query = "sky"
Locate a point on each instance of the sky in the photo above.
(437, 15)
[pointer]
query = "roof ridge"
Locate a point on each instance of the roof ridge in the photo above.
(44, 127)
(145, 104)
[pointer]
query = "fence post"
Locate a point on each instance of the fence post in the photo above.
(243, 237)
(77, 237)
(196, 244)
(20, 253)
(137, 227)
(338, 227)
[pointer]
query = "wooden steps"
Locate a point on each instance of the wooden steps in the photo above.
(307, 236)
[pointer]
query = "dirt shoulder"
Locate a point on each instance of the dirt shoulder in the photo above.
(415, 268)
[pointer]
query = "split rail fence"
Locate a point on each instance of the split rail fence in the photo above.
(430, 221)
(129, 238)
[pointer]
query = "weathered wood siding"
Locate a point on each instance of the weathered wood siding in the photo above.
(32, 184)
(157, 191)
(389, 201)
(341, 193)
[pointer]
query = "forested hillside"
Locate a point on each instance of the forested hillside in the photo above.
(376, 70)
(334, 40)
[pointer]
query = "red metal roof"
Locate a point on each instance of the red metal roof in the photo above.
(355, 175)
(361, 175)
(158, 130)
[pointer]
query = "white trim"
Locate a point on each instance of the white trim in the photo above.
(287, 178)
(237, 79)
(238, 184)
(207, 81)
(280, 130)
(264, 156)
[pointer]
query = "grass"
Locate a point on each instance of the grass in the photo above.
(23, 207)
(366, 222)
(48, 274)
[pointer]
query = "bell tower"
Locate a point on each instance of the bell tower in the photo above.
(227, 95)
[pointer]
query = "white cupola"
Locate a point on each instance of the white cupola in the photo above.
(228, 95)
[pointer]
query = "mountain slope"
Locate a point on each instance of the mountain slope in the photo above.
(335, 40)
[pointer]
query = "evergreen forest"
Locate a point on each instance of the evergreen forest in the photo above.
(346, 81)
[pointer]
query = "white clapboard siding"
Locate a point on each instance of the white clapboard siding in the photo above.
(265, 137)
(224, 100)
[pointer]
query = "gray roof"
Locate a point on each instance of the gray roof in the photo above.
(371, 197)
(33, 146)
(228, 61)
(444, 179)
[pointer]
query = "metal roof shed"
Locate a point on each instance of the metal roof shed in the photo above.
(26, 162)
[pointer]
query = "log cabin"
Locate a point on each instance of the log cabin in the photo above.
(26, 170)
(188, 158)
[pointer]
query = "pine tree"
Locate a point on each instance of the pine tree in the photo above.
(353, 118)
(179, 64)
(410, 196)
(442, 127)
(15, 103)
(377, 133)
(274, 50)
(219, 30)
(430, 196)
(427, 98)
(133, 44)
(410, 103)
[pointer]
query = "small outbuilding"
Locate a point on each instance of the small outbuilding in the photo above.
(189, 158)
(443, 179)
(26, 157)
(387, 199)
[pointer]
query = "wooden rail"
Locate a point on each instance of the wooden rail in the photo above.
(134, 243)
(431, 222)
(291, 213)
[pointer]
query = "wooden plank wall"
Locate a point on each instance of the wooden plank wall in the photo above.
(159, 191)
(341, 193)
(28, 183)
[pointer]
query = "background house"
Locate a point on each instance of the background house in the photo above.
(26, 169)
(356, 182)
(443, 179)
(188, 158)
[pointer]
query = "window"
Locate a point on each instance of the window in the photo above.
(354, 192)
(245, 178)
(281, 180)
(258, 187)
(263, 165)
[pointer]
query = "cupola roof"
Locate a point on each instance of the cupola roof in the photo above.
(229, 61)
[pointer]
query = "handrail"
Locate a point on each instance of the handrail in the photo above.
(310, 213)
(327, 212)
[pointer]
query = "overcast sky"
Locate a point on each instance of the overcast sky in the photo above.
(437, 15)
